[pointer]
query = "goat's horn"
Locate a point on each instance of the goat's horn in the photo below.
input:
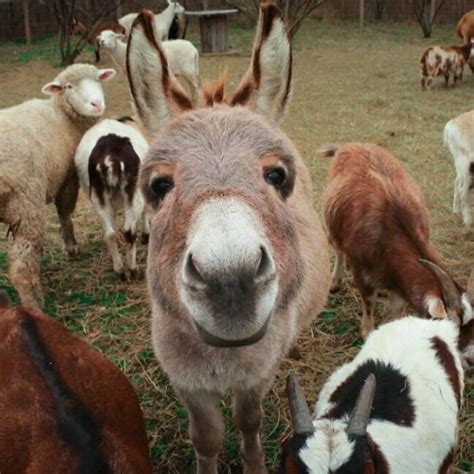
(300, 415)
(451, 294)
(360, 416)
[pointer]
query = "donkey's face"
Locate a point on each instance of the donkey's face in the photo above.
(223, 240)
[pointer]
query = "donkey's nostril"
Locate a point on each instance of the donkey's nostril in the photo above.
(191, 274)
(266, 266)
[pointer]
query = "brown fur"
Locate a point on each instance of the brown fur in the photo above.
(226, 152)
(377, 218)
(465, 27)
(50, 376)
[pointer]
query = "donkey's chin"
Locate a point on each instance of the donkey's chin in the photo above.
(218, 341)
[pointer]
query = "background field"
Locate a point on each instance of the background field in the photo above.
(350, 85)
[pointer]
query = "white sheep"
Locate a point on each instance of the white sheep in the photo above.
(107, 162)
(459, 138)
(37, 143)
(183, 57)
(163, 19)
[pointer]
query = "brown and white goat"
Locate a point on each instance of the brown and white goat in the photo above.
(238, 262)
(64, 406)
(377, 218)
(444, 61)
(78, 28)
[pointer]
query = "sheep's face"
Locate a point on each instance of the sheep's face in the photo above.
(108, 39)
(85, 96)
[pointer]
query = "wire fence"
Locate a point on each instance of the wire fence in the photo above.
(43, 22)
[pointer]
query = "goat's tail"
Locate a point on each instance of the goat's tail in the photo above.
(329, 151)
(4, 299)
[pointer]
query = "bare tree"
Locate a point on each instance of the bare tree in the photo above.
(66, 12)
(294, 11)
(380, 8)
(426, 12)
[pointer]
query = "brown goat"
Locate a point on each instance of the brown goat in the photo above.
(377, 218)
(64, 407)
(465, 27)
(444, 61)
(238, 262)
(78, 28)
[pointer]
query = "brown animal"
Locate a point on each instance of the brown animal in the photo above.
(465, 27)
(79, 28)
(444, 61)
(64, 406)
(377, 218)
(238, 262)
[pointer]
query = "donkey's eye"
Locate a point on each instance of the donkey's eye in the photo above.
(161, 186)
(276, 176)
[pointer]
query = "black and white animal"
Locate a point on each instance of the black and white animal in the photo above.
(107, 162)
(393, 409)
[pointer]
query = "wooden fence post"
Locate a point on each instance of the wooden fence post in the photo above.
(26, 18)
(361, 13)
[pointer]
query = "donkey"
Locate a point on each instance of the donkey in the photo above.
(238, 262)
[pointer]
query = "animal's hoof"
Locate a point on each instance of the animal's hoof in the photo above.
(335, 288)
(136, 274)
(122, 275)
(72, 249)
(145, 239)
(295, 353)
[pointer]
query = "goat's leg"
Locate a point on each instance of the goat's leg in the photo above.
(397, 305)
(146, 219)
(247, 407)
(24, 256)
(369, 298)
(206, 428)
(97, 52)
(456, 199)
(464, 199)
(65, 202)
(106, 214)
(133, 212)
(337, 272)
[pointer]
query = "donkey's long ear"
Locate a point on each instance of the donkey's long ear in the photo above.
(267, 85)
(156, 94)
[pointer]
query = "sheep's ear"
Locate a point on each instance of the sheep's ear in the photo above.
(106, 74)
(156, 94)
(52, 88)
(267, 86)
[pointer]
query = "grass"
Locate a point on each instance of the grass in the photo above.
(350, 84)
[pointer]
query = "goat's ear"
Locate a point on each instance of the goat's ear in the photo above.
(267, 85)
(436, 308)
(156, 94)
(106, 74)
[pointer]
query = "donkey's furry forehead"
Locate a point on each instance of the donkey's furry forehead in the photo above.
(222, 130)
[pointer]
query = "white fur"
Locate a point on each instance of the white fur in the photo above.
(115, 200)
(459, 138)
(163, 20)
(182, 56)
(406, 345)
(235, 242)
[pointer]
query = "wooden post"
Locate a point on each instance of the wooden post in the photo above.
(361, 13)
(26, 18)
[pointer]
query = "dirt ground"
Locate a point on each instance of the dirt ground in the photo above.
(350, 85)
